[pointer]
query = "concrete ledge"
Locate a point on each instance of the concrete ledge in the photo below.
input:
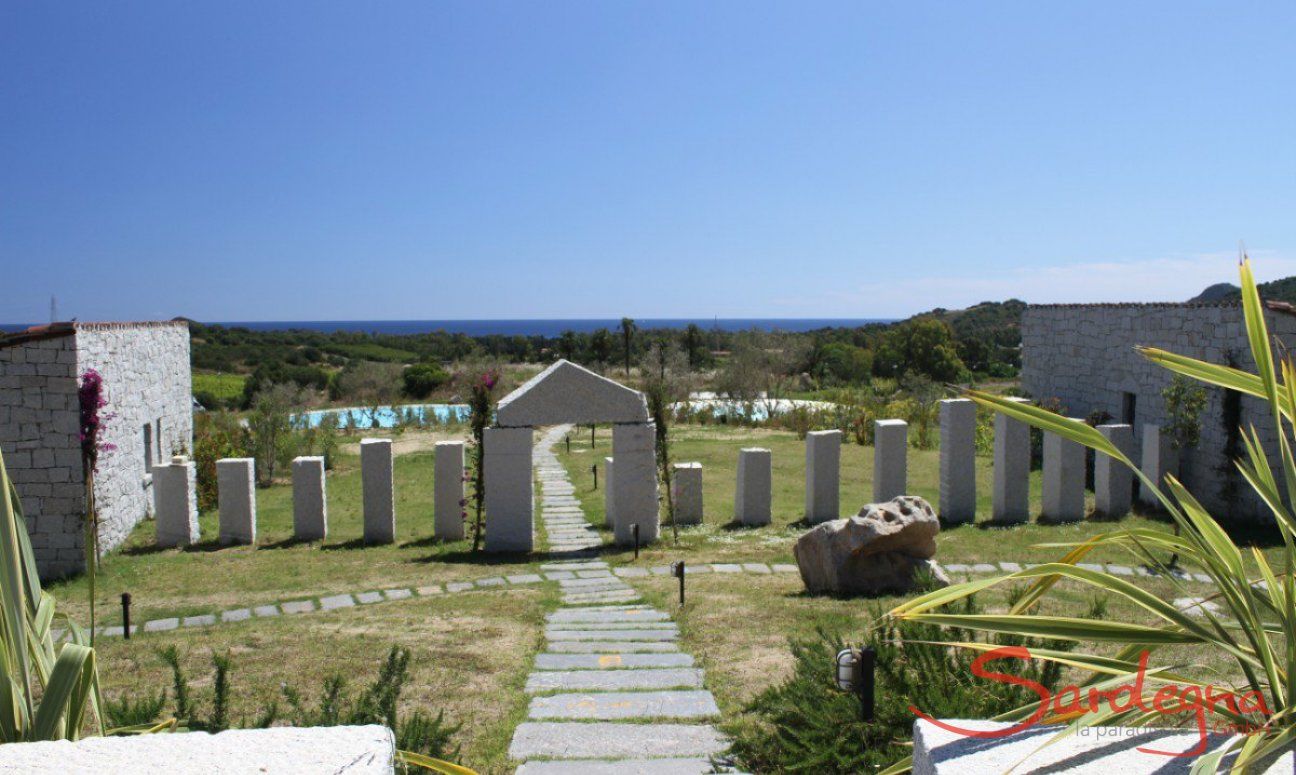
(1100, 749)
(367, 750)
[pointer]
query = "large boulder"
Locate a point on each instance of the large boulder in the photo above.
(887, 547)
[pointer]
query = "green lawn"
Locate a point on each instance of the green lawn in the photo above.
(225, 387)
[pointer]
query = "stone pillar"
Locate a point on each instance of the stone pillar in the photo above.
(1113, 482)
(448, 486)
(609, 501)
(634, 482)
(752, 499)
(958, 460)
(686, 481)
(175, 502)
(377, 483)
(510, 506)
(890, 459)
(310, 502)
(823, 476)
(236, 492)
(1160, 458)
(1064, 478)
(1011, 469)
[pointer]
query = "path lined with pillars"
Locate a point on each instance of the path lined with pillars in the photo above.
(612, 692)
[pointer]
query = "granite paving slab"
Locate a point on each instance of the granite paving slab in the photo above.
(646, 634)
(600, 740)
(336, 601)
(611, 661)
(614, 680)
(610, 647)
(624, 705)
(631, 616)
(671, 766)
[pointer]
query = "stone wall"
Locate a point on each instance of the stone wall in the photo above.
(147, 383)
(1084, 356)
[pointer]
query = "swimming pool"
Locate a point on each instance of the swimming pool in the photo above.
(386, 416)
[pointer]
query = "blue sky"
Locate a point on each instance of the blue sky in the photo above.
(326, 160)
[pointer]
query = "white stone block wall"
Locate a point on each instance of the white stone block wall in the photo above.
(958, 460)
(448, 496)
(822, 476)
(1064, 480)
(1114, 481)
(890, 459)
(634, 446)
(609, 497)
(310, 499)
(1084, 356)
(1011, 494)
(1159, 459)
(686, 481)
(175, 498)
(236, 493)
(377, 470)
(510, 493)
(752, 498)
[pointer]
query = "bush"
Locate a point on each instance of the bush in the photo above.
(216, 435)
(421, 380)
(807, 725)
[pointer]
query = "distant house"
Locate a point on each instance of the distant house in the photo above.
(146, 373)
(1083, 355)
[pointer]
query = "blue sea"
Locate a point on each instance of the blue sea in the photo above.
(548, 328)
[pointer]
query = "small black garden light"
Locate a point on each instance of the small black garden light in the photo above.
(594, 470)
(855, 673)
(635, 529)
(126, 601)
(677, 570)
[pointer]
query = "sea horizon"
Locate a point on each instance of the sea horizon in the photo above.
(548, 327)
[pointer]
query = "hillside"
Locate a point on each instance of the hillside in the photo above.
(1278, 290)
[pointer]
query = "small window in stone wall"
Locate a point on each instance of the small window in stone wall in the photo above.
(148, 448)
(1129, 406)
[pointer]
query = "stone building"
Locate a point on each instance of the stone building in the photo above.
(1083, 355)
(145, 368)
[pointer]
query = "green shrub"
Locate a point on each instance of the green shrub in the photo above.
(421, 380)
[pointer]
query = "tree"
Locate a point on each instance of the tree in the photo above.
(840, 363)
(423, 378)
(371, 385)
(695, 346)
(270, 428)
(922, 346)
(601, 345)
(568, 344)
(628, 329)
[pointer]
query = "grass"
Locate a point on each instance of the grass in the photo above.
(225, 387)
(458, 646)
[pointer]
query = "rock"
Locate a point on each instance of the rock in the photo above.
(885, 548)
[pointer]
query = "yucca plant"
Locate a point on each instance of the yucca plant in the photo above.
(65, 678)
(1254, 624)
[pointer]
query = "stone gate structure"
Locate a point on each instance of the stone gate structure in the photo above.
(567, 393)
(1083, 355)
(147, 383)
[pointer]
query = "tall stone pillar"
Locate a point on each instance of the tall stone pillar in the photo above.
(377, 473)
(634, 482)
(510, 499)
(1113, 482)
(236, 492)
(1064, 476)
(1160, 458)
(890, 459)
(686, 482)
(1011, 469)
(448, 495)
(823, 476)
(752, 499)
(175, 502)
(310, 501)
(958, 460)
(609, 502)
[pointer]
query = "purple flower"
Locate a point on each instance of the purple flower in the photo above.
(90, 396)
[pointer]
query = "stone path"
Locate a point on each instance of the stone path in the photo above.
(609, 659)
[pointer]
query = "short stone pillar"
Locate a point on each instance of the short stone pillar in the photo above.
(1113, 481)
(686, 482)
(1011, 469)
(822, 476)
(448, 491)
(958, 460)
(310, 500)
(377, 470)
(510, 507)
(634, 483)
(752, 498)
(1160, 458)
(236, 492)
(609, 502)
(890, 459)
(175, 502)
(1064, 480)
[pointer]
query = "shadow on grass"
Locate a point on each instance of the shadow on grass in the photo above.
(469, 557)
(290, 542)
(354, 543)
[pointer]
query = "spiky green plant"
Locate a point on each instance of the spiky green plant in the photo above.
(64, 678)
(1255, 624)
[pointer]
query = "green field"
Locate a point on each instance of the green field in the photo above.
(225, 387)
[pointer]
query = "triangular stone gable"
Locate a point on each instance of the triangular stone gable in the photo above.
(567, 393)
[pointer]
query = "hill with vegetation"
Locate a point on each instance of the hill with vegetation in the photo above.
(1276, 290)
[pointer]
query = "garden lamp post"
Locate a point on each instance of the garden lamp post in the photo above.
(855, 673)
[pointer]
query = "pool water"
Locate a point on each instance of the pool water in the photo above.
(386, 416)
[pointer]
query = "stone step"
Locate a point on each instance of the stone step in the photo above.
(613, 680)
(659, 634)
(624, 705)
(610, 646)
(634, 616)
(576, 598)
(632, 625)
(674, 766)
(594, 582)
(551, 740)
(610, 661)
(575, 565)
